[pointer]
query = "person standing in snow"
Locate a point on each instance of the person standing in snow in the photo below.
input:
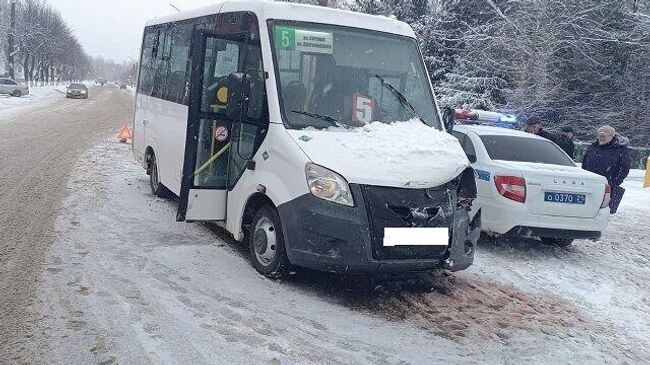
(534, 126)
(565, 141)
(609, 156)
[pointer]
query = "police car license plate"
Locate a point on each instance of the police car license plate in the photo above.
(566, 198)
(419, 236)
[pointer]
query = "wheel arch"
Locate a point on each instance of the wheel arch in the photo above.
(253, 204)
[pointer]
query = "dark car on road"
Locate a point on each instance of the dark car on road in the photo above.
(77, 91)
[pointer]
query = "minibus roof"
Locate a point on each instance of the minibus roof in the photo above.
(268, 9)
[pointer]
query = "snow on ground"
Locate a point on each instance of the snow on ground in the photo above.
(608, 280)
(125, 283)
(636, 175)
(38, 96)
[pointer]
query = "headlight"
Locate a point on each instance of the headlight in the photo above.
(328, 185)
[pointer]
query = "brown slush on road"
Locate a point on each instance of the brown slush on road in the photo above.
(38, 148)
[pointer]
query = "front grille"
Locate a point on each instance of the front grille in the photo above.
(399, 207)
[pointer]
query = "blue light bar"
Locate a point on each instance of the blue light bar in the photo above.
(508, 118)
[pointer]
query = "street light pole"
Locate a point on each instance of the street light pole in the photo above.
(10, 40)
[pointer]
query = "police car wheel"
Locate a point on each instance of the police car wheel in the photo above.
(266, 243)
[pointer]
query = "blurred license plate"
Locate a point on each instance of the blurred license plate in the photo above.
(567, 198)
(421, 236)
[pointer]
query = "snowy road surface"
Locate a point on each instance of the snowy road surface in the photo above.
(122, 282)
(125, 283)
(40, 142)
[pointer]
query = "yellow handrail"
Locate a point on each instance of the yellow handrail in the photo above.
(211, 160)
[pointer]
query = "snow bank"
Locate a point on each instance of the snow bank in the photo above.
(636, 175)
(400, 154)
(10, 105)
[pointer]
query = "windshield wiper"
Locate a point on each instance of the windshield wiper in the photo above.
(401, 99)
(326, 118)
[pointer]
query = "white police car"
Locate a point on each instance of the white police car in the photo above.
(528, 186)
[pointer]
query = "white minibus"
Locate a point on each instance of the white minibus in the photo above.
(312, 134)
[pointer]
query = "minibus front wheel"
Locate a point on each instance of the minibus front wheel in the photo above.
(266, 243)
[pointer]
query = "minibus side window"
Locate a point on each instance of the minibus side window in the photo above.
(174, 62)
(221, 59)
(146, 66)
(159, 71)
(252, 135)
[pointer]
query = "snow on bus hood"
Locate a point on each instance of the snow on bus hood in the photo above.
(401, 154)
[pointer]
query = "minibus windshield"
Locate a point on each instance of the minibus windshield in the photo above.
(347, 77)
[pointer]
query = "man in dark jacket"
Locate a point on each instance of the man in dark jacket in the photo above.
(609, 157)
(534, 126)
(565, 141)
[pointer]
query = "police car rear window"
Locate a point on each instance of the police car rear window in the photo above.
(511, 148)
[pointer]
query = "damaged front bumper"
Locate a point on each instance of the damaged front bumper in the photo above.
(331, 237)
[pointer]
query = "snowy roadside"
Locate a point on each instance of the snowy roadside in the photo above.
(39, 96)
(126, 283)
(608, 280)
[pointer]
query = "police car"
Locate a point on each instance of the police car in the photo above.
(528, 186)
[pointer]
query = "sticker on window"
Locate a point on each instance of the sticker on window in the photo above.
(304, 40)
(363, 108)
(221, 133)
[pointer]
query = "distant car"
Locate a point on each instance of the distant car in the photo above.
(528, 186)
(13, 88)
(77, 91)
(123, 86)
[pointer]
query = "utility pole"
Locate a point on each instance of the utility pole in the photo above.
(10, 40)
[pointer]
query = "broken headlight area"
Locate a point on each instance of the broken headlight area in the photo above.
(465, 188)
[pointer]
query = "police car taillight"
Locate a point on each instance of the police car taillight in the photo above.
(511, 187)
(607, 197)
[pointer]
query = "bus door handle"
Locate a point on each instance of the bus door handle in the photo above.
(144, 122)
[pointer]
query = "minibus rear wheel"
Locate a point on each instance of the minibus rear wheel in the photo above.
(157, 188)
(266, 243)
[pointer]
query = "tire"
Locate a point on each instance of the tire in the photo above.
(266, 244)
(157, 188)
(17, 93)
(560, 242)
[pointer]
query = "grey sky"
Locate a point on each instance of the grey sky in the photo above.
(113, 28)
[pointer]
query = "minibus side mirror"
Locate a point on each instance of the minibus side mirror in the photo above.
(239, 93)
(449, 118)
